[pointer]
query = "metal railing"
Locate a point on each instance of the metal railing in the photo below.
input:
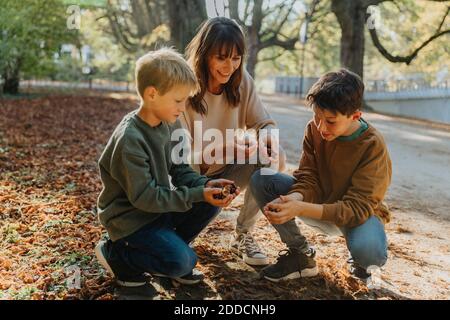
(404, 85)
(94, 84)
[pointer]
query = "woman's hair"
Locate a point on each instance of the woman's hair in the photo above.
(216, 35)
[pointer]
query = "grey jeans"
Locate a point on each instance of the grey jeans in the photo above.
(240, 174)
(367, 242)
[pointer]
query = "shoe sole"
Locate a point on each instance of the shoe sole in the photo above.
(177, 279)
(305, 273)
(101, 257)
(250, 261)
(255, 261)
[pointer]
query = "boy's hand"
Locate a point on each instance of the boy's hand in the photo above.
(209, 193)
(227, 186)
(218, 183)
(293, 196)
(282, 210)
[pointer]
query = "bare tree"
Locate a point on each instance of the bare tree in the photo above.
(134, 23)
(265, 26)
(184, 18)
(352, 16)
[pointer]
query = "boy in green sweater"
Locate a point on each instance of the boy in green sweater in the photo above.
(151, 206)
(339, 187)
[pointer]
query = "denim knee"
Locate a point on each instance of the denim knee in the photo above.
(182, 264)
(256, 180)
(369, 252)
(262, 186)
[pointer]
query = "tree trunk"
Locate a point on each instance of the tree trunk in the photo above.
(185, 16)
(351, 16)
(252, 58)
(12, 79)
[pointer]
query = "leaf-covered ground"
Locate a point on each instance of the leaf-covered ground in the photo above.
(49, 183)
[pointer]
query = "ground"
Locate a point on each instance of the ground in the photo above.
(49, 146)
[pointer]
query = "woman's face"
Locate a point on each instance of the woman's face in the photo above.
(221, 68)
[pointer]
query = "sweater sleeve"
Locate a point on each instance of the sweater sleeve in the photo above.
(132, 172)
(369, 184)
(257, 116)
(307, 177)
(182, 174)
(184, 121)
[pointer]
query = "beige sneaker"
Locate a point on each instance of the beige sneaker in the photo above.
(246, 247)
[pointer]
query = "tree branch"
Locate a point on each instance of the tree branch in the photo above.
(274, 57)
(285, 18)
(234, 12)
(407, 59)
(274, 41)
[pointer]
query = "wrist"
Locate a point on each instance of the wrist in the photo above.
(311, 210)
(296, 196)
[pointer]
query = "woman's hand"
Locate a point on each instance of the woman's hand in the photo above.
(245, 147)
(239, 148)
(269, 147)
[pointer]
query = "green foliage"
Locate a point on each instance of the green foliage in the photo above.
(31, 32)
(111, 60)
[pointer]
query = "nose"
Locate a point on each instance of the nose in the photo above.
(182, 106)
(228, 65)
(319, 124)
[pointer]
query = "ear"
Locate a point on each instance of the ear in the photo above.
(357, 115)
(150, 92)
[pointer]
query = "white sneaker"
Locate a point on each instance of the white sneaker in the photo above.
(246, 247)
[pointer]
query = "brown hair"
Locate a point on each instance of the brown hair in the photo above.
(341, 91)
(215, 34)
(163, 69)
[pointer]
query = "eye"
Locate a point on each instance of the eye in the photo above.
(330, 122)
(178, 101)
(237, 58)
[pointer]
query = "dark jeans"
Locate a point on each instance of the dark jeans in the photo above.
(367, 243)
(163, 245)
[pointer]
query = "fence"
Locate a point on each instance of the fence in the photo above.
(291, 85)
(411, 98)
(95, 84)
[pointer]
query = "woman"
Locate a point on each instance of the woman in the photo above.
(227, 99)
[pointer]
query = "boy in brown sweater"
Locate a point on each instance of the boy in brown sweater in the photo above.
(344, 173)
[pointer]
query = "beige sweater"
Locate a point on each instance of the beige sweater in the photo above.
(349, 177)
(249, 114)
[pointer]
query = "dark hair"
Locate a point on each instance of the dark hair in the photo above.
(341, 91)
(222, 35)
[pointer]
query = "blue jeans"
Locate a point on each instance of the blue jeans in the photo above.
(367, 243)
(161, 246)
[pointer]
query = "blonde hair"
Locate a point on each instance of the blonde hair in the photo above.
(163, 69)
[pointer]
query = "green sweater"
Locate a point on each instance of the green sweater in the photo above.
(134, 169)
